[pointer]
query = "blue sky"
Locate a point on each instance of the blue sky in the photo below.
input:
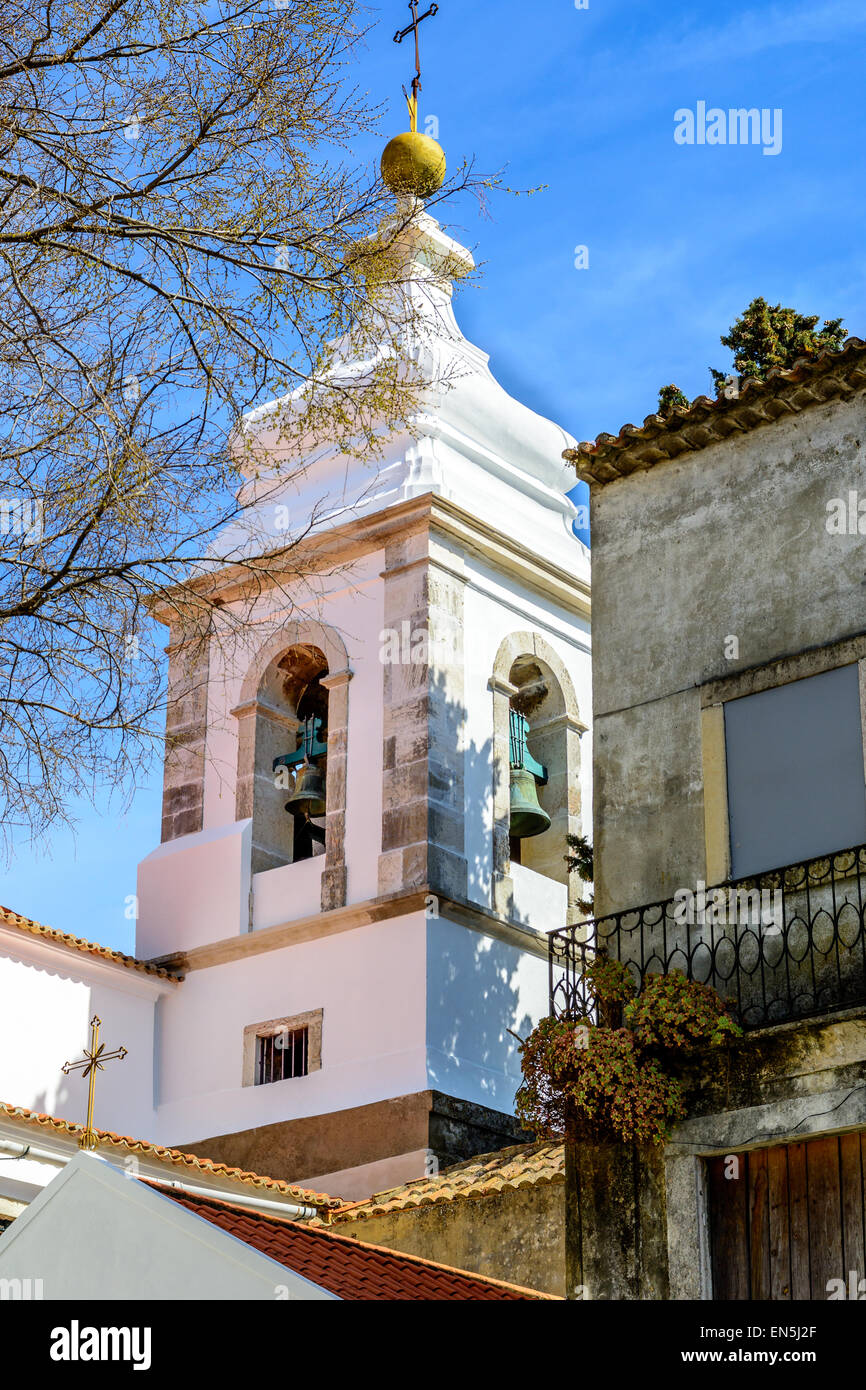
(680, 238)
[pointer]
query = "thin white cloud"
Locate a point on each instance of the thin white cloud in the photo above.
(756, 31)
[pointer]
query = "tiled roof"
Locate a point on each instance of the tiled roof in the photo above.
(784, 391)
(522, 1165)
(344, 1266)
(8, 918)
(190, 1162)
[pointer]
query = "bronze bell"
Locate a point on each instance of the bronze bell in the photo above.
(528, 816)
(308, 793)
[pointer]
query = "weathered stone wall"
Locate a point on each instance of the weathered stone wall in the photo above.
(443, 1127)
(780, 1085)
(637, 1223)
(785, 1071)
(517, 1235)
(730, 540)
(616, 1235)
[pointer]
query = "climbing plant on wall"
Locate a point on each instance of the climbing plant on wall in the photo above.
(579, 860)
(615, 1072)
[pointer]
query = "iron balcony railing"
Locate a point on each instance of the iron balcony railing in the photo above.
(782, 945)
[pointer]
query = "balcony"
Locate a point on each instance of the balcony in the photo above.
(787, 944)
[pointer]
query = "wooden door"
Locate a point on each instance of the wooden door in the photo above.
(785, 1222)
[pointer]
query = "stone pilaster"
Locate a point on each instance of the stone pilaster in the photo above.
(556, 743)
(446, 868)
(264, 732)
(503, 885)
(405, 689)
(334, 872)
(423, 693)
(185, 737)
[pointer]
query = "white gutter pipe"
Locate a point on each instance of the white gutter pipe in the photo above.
(28, 1151)
(238, 1199)
(291, 1210)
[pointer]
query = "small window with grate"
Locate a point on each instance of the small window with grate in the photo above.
(282, 1055)
(279, 1049)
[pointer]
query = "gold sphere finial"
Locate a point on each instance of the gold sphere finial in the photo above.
(413, 163)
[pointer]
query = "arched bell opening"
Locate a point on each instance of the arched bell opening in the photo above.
(291, 759)
(307, 763)
(301, 668)
(531, 680)
(538, 769)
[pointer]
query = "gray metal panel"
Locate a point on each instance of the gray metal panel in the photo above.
(795, 772)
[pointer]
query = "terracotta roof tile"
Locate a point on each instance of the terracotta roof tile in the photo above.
(784, 391)
(344, 1266)
(191, 1162)
(8, 918)
(522, 1165)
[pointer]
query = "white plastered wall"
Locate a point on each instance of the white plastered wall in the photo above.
(408, 1004)
(369, 984)
(48, 1002)
(479, 986)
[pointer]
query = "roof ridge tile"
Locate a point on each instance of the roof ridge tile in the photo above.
(175, 1156)
(10, 918)
(611, 456)
(519, 1166)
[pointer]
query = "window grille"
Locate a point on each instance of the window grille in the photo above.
(281, 1056)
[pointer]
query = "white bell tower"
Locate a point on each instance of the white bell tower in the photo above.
(351, 976)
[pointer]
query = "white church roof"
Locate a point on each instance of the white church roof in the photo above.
(469, 440)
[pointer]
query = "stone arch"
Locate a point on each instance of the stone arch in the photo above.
(296, 633)
(529, 644)
(266, 715)
(527, 670)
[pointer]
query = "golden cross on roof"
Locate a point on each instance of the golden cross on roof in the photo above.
(92, 1062)
(412, 102)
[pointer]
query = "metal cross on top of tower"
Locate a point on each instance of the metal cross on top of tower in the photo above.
(92, 1062)
(412, 102)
